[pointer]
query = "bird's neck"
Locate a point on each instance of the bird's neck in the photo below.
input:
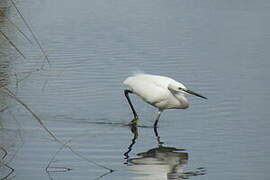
(182, 99)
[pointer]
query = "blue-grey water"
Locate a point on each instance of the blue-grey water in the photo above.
(217, 48)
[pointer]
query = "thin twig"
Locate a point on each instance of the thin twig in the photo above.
(58, 169)
(88, 160)
(11, 171)
(5, 152)
(19, 128)
(7, 166)
(52, 159)
(101, 176)
(12, 44)
(3, 109)
(27, 75)
(11, 94)
(17, 82)
(25, 72)
(31, 31)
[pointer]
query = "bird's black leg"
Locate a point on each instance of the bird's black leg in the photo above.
(134, 121)
(157, 136)
(155, 128)
(158, 116)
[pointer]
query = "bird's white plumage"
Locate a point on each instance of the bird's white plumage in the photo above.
(159, 91)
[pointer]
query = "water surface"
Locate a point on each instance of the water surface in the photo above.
(218, 49)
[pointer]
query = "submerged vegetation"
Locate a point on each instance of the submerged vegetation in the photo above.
(10, 52)
(6, 46)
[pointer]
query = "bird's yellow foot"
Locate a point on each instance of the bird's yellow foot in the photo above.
(134, 121)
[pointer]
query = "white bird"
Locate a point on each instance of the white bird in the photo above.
(159, 91)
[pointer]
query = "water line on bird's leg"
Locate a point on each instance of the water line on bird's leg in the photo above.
(134, 121)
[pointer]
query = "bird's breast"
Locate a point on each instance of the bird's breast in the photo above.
(173, 102)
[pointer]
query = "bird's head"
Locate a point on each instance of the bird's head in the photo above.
(177, 87)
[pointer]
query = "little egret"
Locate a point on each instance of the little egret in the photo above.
(159, 91)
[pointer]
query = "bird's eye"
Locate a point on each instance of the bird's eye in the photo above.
(180, 88)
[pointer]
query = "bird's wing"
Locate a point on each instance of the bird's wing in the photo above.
(149, 91)
(160, 81)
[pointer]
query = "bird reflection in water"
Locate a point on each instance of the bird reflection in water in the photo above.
(159, 163)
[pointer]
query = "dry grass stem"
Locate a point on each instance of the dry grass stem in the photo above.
(31, 31)
(16, 27)
(12, 44)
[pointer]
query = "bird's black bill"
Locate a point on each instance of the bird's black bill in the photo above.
(196, 94)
